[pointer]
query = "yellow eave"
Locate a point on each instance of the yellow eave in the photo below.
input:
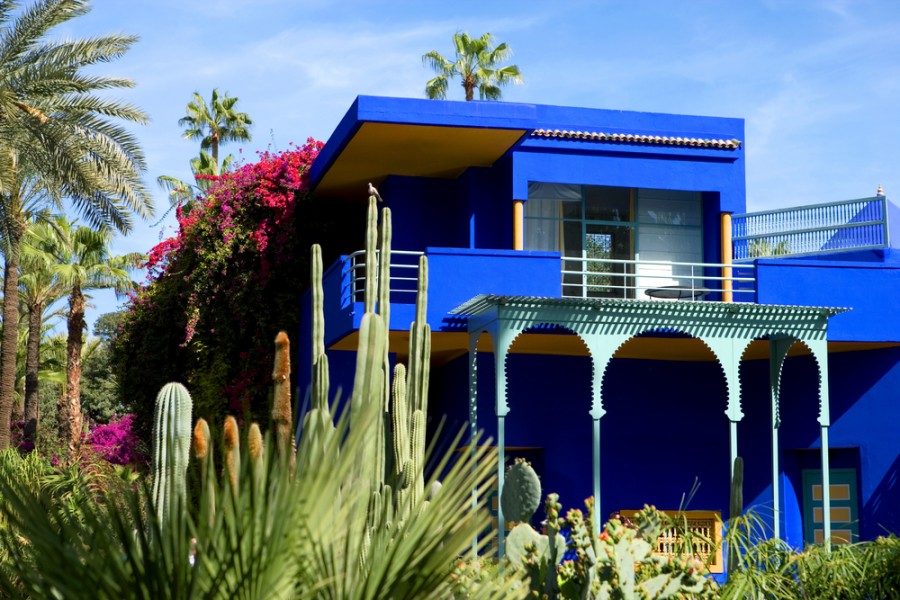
(377, 150)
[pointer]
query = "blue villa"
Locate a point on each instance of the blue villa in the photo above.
(603, 304)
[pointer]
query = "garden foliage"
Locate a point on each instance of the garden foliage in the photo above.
(198, 318)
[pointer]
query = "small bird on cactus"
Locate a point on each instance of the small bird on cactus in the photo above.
(374, 192)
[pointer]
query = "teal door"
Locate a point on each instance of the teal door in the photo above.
(844, 507)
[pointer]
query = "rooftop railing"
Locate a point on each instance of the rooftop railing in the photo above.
(652, 279)
(845, 226)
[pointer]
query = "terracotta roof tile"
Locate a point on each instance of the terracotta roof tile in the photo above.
(632, 138)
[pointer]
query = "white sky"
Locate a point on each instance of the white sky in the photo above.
(818, 82)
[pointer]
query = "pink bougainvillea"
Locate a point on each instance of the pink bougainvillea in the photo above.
(220, 289)
(116, 441)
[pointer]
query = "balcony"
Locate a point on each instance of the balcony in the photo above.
(649, 279)
(456, 275)
(845, 226)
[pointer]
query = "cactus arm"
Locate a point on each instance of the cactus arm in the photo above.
(320, 379)
(371, 257)
(400, 424)
(384, 269)
(420, 344)
(367, 388)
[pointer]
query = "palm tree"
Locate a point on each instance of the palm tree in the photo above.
(205, 171)
(39, 288)
(476, 63)
(83, 262)
(215, 123)
(56, 129)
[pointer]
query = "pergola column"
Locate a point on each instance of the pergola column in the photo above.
(602, 347)
(819, 350)
(778, 349)
(503, 336)
(473, 416)
(728, 351)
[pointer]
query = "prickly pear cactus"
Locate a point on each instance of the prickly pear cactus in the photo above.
(521, 493)
(171, 447)
(621, 563)
(538, 555)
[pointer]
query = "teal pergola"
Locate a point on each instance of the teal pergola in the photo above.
(604, 325)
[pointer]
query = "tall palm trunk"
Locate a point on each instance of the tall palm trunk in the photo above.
(469, 86)
(10, 333)
(214, 148)
(70, 418)
(32, 364)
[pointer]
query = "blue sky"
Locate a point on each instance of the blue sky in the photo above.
(818, 82)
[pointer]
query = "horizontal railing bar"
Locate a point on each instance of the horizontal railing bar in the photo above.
(665, 263)
(398, 252)
(880, 199)
(659, 276)
(812, 253)
(790, 232)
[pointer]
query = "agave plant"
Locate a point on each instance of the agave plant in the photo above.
(281, 532)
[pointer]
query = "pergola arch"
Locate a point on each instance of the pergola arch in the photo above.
(605, 325)
(603, 371)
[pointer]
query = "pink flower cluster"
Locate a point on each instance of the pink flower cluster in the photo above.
(116, 442)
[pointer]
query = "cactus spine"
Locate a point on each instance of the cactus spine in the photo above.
(171, 448)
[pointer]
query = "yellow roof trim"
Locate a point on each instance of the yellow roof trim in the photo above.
(377, 150)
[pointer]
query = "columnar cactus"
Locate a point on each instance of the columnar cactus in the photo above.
(392, 460)
(318, 426)
(281, 401)
(320, 377)
(418, 378)
(171, 447)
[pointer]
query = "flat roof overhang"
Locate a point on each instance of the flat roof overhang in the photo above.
(421, 138)
(378, 137)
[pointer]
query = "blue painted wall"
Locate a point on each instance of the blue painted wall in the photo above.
(864, 409)
(665, 426)
(648, 456)
(870, 289)
(426, 212)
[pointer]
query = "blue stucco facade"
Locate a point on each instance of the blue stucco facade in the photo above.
(665, 430)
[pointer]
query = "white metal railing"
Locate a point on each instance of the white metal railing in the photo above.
(842, 226)
(584, 277)
(404, 275)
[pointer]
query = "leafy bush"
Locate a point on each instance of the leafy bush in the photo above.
(198, 318)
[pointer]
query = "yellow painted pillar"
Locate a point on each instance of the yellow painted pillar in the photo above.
(518, 224)
(727, 295)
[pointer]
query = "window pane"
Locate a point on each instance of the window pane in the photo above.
(603, 203)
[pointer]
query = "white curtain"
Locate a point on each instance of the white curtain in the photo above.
(543, 213)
